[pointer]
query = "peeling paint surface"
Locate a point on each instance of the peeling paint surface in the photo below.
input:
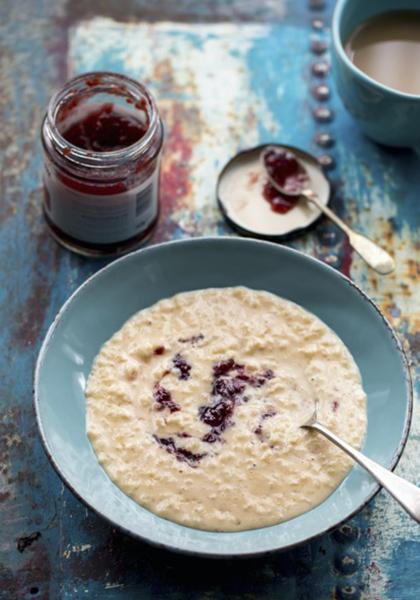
(226, 75)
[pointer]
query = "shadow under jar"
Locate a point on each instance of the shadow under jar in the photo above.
(102, 138)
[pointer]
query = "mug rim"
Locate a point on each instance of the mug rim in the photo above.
(336, 37)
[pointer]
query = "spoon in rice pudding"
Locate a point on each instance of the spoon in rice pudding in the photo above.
(404, 492)
(288, 176)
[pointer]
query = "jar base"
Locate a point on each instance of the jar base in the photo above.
(99, 250)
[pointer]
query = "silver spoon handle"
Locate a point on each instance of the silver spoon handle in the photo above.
(375, 256)
(404, 492)
(313, 197)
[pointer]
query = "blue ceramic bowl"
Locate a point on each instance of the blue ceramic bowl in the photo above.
(102, 304)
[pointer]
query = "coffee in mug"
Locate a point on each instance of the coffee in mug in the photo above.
(386, 47)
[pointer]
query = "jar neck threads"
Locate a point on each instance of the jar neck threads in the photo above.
(83, 91)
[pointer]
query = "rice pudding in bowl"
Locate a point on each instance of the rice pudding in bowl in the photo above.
(194, 408)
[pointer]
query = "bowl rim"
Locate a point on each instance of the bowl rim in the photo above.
(234, 241)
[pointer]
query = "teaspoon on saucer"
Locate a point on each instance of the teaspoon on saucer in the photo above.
(404, 492)
(293, 180)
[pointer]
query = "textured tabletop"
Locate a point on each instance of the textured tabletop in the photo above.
(227, 75)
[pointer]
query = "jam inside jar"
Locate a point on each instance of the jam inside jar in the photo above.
(102, 138)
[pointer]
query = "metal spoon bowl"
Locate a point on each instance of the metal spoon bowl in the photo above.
(375, 256)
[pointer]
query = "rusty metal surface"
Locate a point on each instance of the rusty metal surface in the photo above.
(226, 75)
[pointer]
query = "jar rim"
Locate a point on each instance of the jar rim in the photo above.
(91, 158)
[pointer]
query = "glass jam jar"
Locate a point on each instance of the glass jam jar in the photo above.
(102, 138)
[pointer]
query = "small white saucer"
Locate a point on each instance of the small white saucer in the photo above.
(239, 193)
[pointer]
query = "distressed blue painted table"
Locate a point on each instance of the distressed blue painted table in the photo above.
(226, 75)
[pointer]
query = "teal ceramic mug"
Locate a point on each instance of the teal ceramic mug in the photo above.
(386, 115)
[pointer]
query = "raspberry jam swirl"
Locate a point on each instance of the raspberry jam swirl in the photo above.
(102, 138)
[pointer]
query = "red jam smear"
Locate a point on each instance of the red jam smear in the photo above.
(229, 383)
(163, 399)
(183, 367)
(259, 429)
(102, 127)
(181, 454)
(230, 380)
(284, 168)
(279, 202)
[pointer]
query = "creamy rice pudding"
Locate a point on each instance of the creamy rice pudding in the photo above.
(194, 408)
